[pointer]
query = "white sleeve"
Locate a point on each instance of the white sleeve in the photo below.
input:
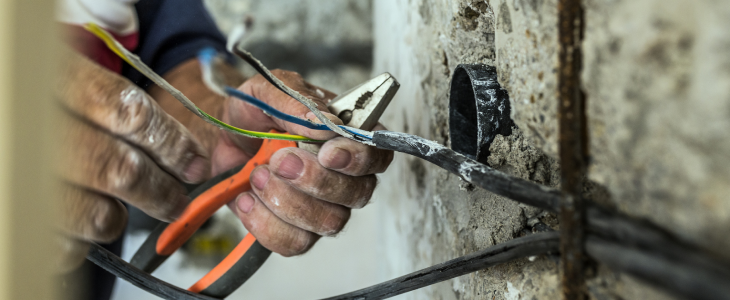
(118, 16)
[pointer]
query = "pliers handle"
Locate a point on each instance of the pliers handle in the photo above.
(244, 260)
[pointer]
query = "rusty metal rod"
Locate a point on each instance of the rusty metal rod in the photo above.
(573, 149)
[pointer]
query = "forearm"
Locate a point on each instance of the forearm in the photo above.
(186, 77)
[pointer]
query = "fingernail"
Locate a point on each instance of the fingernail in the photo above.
(260, 177)
(291, 166)
(340, 159)
(245, 202)
(197, 170)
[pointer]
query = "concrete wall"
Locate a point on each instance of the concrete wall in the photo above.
(657, 81)
(431, 215)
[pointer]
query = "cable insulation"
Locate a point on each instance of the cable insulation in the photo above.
(120, 268)
(534, 244)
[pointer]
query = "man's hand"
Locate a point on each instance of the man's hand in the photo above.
(117, 143)
(299, 196)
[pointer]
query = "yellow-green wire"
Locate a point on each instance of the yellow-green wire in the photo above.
(135, 62)
(258, 134)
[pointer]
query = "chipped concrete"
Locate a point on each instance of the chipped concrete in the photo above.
(657, 79)
(659, 131)
(527, 60)
(430, 215)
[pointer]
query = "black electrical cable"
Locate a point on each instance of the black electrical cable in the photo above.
(534, 244)
(622, 246)
(681, 277)
(604, 223)
(120, 268)
(648, 237)
(470, 170)
(634, 235)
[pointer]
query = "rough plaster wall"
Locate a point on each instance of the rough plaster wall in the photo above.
(658, 81)
(527, 60)
(430, 216)
(657, 78)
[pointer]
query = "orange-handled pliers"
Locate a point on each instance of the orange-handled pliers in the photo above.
(360, 108)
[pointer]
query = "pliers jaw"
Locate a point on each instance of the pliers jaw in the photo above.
(362, 106)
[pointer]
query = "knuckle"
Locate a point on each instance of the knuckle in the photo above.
(285, 73)
(109, 220)
(135, 112)
(126, 173)
(174, 147)
(248, 85)
(173, 204)
(289, 77)
(388, 158)
(299, 243)
(71, 253)
(326, 185)
(377, 162)
(367, 188)
(334, 222)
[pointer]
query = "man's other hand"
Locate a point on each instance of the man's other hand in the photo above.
(117, 144)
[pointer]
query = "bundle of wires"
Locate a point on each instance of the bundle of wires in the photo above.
(137, 63)
(209, 63)
(208, 59)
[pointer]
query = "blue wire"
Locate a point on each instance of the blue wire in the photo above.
(356, 133)
(280, 115)
(272, 111)
(206, 57)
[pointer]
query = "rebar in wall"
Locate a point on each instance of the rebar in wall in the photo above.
(572, 148)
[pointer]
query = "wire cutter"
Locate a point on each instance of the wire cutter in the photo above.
(360, 107)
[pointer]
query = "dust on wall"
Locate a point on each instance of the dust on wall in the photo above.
(657, 79)
(432, 216)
